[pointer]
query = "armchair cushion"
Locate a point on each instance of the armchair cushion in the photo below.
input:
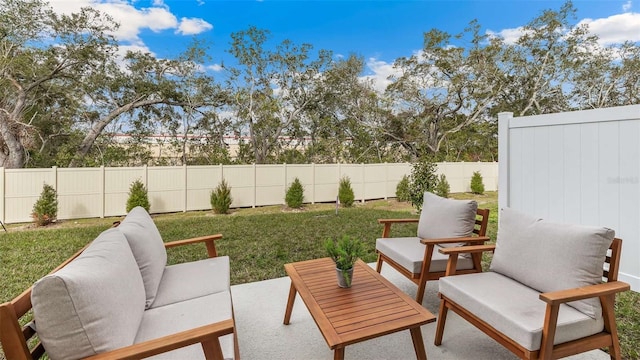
(549, 256)
(147, 247)
(92, 305)
(515, 309)
(446, 218)
(409, 253)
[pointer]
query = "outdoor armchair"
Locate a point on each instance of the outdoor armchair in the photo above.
(442, 223)
(550, 291)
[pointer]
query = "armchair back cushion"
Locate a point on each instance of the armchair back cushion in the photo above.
(92, 305)
(549, 256)
(147, 247)
(446, 218)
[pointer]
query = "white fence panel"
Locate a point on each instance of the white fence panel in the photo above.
(326, 182)
(270, 184)
(200, 181)
(22, 189)
(166, 188)
(242, 181)
(577, 167)
(80, 193)
(375, 184)
(117, 182)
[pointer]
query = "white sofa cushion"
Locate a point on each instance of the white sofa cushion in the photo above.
(515, 309)
(549, 256)
(193, 279)
(409, 253)
(186, 315)
(446, 218)
(92, 305)
(147, 247)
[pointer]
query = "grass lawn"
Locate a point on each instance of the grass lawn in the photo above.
(258, 241)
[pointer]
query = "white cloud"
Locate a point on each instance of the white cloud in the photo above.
(381, 70)
(214, 67)
(192, 26)
(615, 29)
(510, 36)
(627, 6)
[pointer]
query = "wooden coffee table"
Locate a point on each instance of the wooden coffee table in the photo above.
(372, 307)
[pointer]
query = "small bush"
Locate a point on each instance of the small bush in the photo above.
(295, 195)
(345, 192)
(477, 187)
(45, 210)
(402, 189)
(442, 187)
(221, 198)
(138, 196)
(423, 178)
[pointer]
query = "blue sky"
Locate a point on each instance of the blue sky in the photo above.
(380, 31)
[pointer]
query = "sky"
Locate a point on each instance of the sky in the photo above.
(378, 30)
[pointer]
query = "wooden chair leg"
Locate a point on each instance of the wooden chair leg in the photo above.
(422, 286)
(609, 316)
(549, 332)
(379, 263)
(442, 319)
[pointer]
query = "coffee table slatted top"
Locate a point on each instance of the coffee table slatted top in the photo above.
(372, 307)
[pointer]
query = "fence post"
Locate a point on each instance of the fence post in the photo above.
(102, 192)
(4, 195)
(255, 186)
(285, 181)
(362, 183)
(313, 183)
(386, 180)
(503, 158)
(186, 188)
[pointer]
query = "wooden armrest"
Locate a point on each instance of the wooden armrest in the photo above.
(471, 249)
(585, 292)
(208, 240)
(207, 335)
(469, 239)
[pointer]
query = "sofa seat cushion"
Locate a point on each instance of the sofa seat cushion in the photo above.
(515, 309)
(409, 253)
(147, 247)
(548, 256)
(446, 218)
(193, 279)
(186, 315)
(92, 305)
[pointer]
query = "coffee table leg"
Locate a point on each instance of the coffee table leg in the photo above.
(292, 298)
(418, 344)
(338, 354)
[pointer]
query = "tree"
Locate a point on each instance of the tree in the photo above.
(445, 88)
(272, 88)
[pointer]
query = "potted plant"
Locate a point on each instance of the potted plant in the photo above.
(344, 253)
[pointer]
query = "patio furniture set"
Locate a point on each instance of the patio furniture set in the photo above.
(549, 293)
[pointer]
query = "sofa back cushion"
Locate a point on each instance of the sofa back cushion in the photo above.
(147, 247)
(92, 305)
(548, 256)
(446, 218)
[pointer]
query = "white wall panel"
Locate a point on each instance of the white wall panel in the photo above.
(201, 180)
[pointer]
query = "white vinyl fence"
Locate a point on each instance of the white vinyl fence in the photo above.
(577, 167)
(103, 191)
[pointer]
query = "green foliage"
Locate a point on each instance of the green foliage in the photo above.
(45, 210)
(344, 252)
(295, 195)
(477, 186)
(138, 196)
(345, 192)
(402, 189)
(442, 187)
(221, 198)
(423, 178)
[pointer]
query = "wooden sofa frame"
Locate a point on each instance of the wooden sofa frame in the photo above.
(605, 291)
(421, 278)
(16, 339)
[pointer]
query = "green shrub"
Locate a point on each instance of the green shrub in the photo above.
(345, 192)
(45, 210)
(402, 189)
(138, 196)
(442, 187)
(477, 187)
(221, 198)
(295, 195)
(423, 178)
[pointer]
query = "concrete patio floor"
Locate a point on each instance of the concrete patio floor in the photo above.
(259, 310)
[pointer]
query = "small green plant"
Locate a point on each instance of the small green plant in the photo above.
(221, 198)
(477, 186)
(442, 187)
(295, 194)
(45, 210)
(402, 189)
(423, 178)
(138, 196)
(345, 192)
(344, 252)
